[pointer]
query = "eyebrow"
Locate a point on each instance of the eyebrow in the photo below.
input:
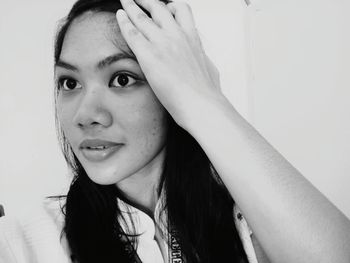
(100, 65)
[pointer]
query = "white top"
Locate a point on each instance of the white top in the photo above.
(35, 236)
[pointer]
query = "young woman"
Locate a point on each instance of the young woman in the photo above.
(161, 159)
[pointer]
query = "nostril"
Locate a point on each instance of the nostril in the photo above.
(92, 116)
(88, 124)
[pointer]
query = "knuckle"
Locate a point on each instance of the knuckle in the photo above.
(158, 54)
(165, 49)
(145, 5)
(129, 3)
(174, 48)
(179, 34)
(142, 16)
(162, 3)
(133, 32)
(124, 22)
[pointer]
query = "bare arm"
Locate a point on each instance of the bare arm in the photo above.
(290, 218)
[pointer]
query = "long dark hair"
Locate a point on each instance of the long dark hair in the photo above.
(199, 207)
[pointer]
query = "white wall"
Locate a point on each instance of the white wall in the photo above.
(31, 165)
(283, 65)
(300, 87)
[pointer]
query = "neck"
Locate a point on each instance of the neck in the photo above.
(141, 188)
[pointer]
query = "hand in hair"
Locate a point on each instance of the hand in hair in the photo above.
(170, 54)
(290, 218)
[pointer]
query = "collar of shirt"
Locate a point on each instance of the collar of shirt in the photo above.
(152, 240)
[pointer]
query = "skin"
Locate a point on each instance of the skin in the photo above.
(289, 217)
(96, 105)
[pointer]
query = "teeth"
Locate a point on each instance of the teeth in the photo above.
(97, 148)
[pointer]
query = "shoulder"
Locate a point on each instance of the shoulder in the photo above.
(44, 216)
(6, 253)
(34, 234)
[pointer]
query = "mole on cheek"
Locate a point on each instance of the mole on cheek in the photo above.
(155, 126)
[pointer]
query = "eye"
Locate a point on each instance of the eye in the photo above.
(68, 84)
(122, 80)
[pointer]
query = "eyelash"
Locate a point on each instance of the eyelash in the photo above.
(115, 75)
(61, 80)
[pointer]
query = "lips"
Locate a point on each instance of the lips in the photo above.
(97, 150)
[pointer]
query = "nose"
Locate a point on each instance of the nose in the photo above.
(92, 112)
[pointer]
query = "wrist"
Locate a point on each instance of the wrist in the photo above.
(205, 110)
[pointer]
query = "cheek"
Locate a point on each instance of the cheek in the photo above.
(64, 115)
(61, 113)
(149, 123)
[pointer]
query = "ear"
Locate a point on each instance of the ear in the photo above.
(2, 211)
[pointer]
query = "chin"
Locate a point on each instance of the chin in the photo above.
(104, 177)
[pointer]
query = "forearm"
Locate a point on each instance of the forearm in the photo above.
(291, 219)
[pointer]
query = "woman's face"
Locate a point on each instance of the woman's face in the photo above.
(108, 112)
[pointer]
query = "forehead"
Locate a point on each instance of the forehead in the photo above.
(95, 34)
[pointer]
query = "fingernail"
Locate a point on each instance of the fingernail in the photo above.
(121, 13)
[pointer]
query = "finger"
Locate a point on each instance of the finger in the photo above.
(182, 13)
(133, 37)
(159, 13)
(139, 18)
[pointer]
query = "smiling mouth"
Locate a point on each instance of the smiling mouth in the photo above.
(100, 153)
